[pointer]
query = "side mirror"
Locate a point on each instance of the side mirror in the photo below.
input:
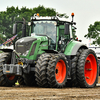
(66, 30)
(23, 30)
(15, 28)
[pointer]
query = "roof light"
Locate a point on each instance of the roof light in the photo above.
(29, 23)
(72, 14)
(72, 17)
(38, 14)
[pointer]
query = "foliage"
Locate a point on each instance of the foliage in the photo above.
(2, 38)
(74, 33)
(94, 32)
(13, 14)
(62, 15)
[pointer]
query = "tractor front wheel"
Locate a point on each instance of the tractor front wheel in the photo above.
(87, 69)
(6, 80)
(41, 70)
(57, 71)
(21, 80)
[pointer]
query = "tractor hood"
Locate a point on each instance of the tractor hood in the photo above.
(27, 39)
(24, 44)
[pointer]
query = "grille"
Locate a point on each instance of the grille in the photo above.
(25, 45)
(33, 49)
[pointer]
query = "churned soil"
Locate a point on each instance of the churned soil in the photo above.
(37, 93)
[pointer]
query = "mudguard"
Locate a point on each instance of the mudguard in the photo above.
(73, 47)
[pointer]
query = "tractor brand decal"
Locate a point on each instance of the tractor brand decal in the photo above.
(20, 45)
(32, 34)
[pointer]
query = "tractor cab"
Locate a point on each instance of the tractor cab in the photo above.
(45, 28)
(57, 30)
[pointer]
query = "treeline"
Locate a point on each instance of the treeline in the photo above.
(94, 33)
(12, 14)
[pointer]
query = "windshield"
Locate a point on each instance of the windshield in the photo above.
(45, 28)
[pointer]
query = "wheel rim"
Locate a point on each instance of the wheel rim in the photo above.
(11, 77)
(60, 71)
(90, 69)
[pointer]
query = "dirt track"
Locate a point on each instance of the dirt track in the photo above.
(36, 93)
(27, 93)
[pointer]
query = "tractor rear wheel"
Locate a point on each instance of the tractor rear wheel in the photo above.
(41, 70)
(57, 71)
(87, 69)
(74, 81)
(6, 80)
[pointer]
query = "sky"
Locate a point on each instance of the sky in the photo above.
(86, 11)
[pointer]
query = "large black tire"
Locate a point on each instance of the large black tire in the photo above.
(29, 79)
(87, 69)
(6, 80)
(57, 71)
(41, 70)
(21, 80)
(74, 81)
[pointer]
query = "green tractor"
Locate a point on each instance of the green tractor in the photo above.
(49, 56)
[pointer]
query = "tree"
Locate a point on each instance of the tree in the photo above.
(13, 14)
(44, 11)
(94, 32)
(74, 32)
(2, 39)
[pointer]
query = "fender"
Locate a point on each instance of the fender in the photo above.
(73, 47)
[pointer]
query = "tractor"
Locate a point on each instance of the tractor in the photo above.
(49, 56)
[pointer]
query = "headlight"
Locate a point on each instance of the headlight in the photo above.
(25, 53)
